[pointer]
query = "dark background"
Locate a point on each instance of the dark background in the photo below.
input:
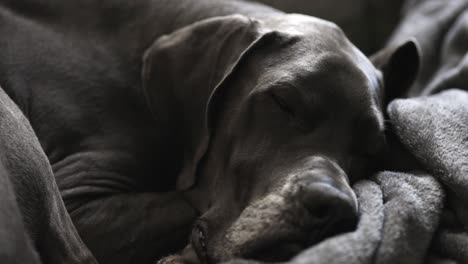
(368, 23)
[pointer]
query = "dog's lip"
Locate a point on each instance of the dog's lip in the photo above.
(198, 240)
(285, 245)
(282, 252)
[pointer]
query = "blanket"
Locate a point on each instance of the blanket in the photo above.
(415, 217)
(419, 215)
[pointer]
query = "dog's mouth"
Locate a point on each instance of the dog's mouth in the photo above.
(279, 252)
(272, 247)
(198, 241)
(277, 226)
(280, 247)
(277, 247)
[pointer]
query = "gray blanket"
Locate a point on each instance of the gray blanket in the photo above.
(419, 216)
(404, 216)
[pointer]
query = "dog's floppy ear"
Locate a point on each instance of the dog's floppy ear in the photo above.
(183, 71)
(399, 65)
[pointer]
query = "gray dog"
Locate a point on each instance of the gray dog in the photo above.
(228, 124)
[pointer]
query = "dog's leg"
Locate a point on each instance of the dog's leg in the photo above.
(34, 223)
(134, 227)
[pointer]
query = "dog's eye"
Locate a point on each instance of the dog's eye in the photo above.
(198, 240)
(282, 104)
(297, 121)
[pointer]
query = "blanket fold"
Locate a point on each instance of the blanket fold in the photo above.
(399, 215)
(415, 217)
(435, 130)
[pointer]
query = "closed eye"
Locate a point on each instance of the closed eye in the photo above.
(294, 117)
(283, 105)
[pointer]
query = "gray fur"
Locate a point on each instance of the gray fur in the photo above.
(152, 114)
(419, 216)
(35, 225)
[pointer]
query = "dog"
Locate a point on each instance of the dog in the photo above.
(228, 129)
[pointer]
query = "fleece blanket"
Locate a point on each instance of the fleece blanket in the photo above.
(420, 215)
(417, 216)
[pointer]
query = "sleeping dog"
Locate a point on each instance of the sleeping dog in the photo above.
(225, 125)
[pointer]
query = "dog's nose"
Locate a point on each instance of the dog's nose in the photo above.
(329, 207)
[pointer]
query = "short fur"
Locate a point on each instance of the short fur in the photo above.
(228, 101)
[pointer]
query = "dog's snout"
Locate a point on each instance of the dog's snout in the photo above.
(329, 207)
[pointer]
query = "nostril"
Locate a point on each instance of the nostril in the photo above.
(326, 203)
(320, 212)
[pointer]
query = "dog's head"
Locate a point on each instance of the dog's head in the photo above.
(275, 120)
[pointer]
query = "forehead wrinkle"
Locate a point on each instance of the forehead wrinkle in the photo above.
(373, 97)
(338, 77)
(367, 77)
(345, 75)
(296, 85)
(378, 115)
(373, 75)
